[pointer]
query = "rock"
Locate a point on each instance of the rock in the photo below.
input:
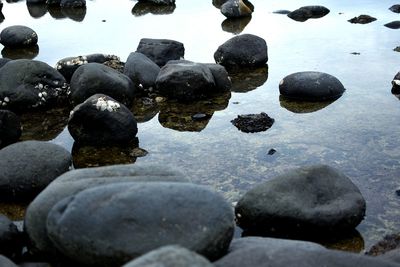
(185, 81)
(143, 8)
(164, 213)
(395, 8)
(102, 120)
(362, 19)
(75, 181)
(393, 25)
(11, 240)
(160, 2)
(67, 66)
(297, 255)
(252, 123)
(18, 36)
(396, 84)
(308, 12)
(161, 50)
(96, 78)
(245, 80)
(242, 51)
(311, 86)
(10, 127)
(31, 84)
(28, 167)
(170, 256)
(141, 70)
(72, 3)
(3, 61)
(221, 77)
(392, 255)
(5, 262)
(236, 8)
(309, 199)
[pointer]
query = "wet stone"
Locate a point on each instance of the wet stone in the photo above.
(396, 84)
(398, 192)
(308, 12)
(18, 36)
(393, 25)
(362, 19)
(252, 123)
(141, 70)
(161, 50)
(395, 8)
(237, 8)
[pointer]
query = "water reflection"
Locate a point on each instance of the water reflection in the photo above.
(235, 25)
(297, 106)
(20, 52)
(191, 117)
(144, 108)
(39, 10)
(143, 8)
(248, 79)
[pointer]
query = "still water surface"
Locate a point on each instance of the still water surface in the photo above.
(358, 133)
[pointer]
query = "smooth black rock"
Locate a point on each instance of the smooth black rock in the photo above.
(221, 77)
(252, 123)
(10, 127)
(395, 8)
(11, 240)
(396, 84)
(5, 262)
(96, 78)
(31, 84)
(141, 70)
(362, 19)
(236, 9)
(393, 25)
(170, 256)
(77, 180)
(163, 214)
(73, 3)
(308, 12)
(310, 199)
(29, 52)
(243, 51)
(18, 36)
(102, 120)
(28, 167)
(311, 86)
(161, 50)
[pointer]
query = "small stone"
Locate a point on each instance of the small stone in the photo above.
(199, 116)
(393, 25)
(362, 19)
(271, 151)
(398, 192)
(395, 8)
(397, 49)
(252, 123)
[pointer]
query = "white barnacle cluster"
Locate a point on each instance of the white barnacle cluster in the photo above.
(76, 61)
(396, 82)
(42, 92)
(103, 104)
(4, 102)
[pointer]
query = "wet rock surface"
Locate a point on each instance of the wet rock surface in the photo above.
(362, 19)
(308, 12)
(161, 50)
(393, 25)
(237, 8)
(141, 70)
(10, 127)
(252, 123)
(18, 36)
(396, 84)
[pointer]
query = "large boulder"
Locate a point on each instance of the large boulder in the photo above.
(237, 8)
(170, 256)
(310, 199)
(102, 120)
(141, 70)
(242, 51)
(161, 50)
(96, 78)
(311, 86)
(10, 127)
(163, 213)
(77, 180)
(28, 167)
(18, 36)
(308, 12)
(31, 84)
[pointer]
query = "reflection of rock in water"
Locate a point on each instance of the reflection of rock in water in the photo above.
(298, 106)
(235, 25)
(389, 242)
(94, 156)
(19, 53)
(37, 10)
(144, 109)
(143, 8)
(43, 125)
(192, 117)
(248, 79)
(14, 211)
(76, 14)
(55, 12)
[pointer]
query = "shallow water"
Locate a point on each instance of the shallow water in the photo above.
(358, 133)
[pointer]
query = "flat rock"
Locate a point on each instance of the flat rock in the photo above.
(252, 123)
(10, 127)
(141, 70)
(161, 50)
(311, 86)
(308, 12)
(362, 19)
(316, 199)
(164, 213)
(28, 167)
(18, 36)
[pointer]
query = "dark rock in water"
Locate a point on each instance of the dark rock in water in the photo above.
(72, 3)
(29, 52)
(293, 253)
(102, 120)
(53, 2)
(164, 214)
(219, 3)
(28, 167)
(311, 86)
(398, 192)
(393, 25)
(36, 10)
(18, 36)
(221, 77)
(11, 240)
(397, 49)
(252, 123)
(282, 12)
(388, 243)
(160, 2)
(77, 180)
(141, 70)
(143, 8)
(5, 262)
(74, 13)
(395, 8)
(362, 19)
(245, 80)
(235, 25)
(10, 127)
(243, 51)
(96, 78)
(236, 9)
(31, 84)
(396, 84)
(200, 116)
(301, 106)
(271, 151)
(161, 50)
(309, 199)
(308, 12)
(170, 256)
(67, 66)
(392, 255)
